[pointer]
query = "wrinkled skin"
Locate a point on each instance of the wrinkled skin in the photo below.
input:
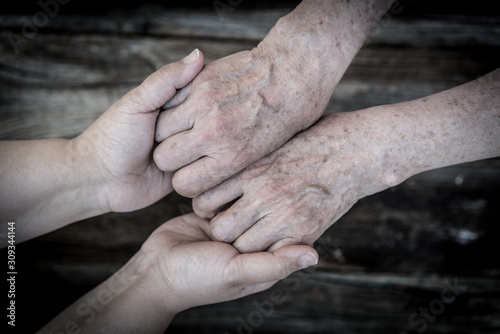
(244, 106)
(294, 194)
(239, 109)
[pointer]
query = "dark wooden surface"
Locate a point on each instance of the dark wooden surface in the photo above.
(385, 259)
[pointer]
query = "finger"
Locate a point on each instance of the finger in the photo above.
(162, 85)
(173, 121)
(176, 152)
(242, 215)
(255, 268)
(207, 204)
(179, 98)
(261, 235)
(282, 243)
(251, 289)
(199, 176)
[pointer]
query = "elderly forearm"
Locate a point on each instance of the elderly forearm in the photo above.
(328, 33)
(455, 126)
(45, 185)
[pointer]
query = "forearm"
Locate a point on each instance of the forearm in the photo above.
(45, 184)
(360, 153)
(127, 302)
(455, 126)
(382, 146)
(326, 33)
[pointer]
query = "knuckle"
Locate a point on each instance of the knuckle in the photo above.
(243, 245)
(138, 98)
(181, 185)
(219, 232)
(218, 129)
(271, 192)
(202, 207)
(233, 276)
(158, 157)
(281, 270)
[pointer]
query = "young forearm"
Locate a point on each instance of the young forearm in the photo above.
(127, 302)
(45, 185)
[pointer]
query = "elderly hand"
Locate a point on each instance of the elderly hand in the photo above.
(239, 109)
(245, 106)
(294, 194)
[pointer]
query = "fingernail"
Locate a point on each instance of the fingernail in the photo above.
(192, 57)
(307, 260)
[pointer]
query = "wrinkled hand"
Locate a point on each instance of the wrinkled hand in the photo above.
(120, 143)
(239, 109)
(192, 269)
(294, 194)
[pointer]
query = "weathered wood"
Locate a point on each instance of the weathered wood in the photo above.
(59, 91)
(253, 24)
(328, 302)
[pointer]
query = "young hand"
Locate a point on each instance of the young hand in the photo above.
(120, 143)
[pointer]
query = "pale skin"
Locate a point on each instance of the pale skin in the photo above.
(246, 105)
(47, 184)
(178, 267)
(110, 167)
(294, 194)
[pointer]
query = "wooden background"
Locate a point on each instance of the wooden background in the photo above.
(385, 259)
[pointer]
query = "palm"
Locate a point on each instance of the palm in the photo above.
(124, 155)
(192, 264)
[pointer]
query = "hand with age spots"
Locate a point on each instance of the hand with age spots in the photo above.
(245, 106)
(294, 194)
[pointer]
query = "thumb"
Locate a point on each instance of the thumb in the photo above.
(162, 85)
(255, 268)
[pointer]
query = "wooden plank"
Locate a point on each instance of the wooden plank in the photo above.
(337, 302)
(254, 24)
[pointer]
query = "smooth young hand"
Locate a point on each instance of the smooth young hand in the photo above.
(47, 184)
(178, 267)
(120, 143)
(193, 269)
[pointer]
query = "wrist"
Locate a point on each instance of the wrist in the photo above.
(151, 260)
(313, 46)
(80, 157)
(148, 281)
(359, 154)
(332, 31)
